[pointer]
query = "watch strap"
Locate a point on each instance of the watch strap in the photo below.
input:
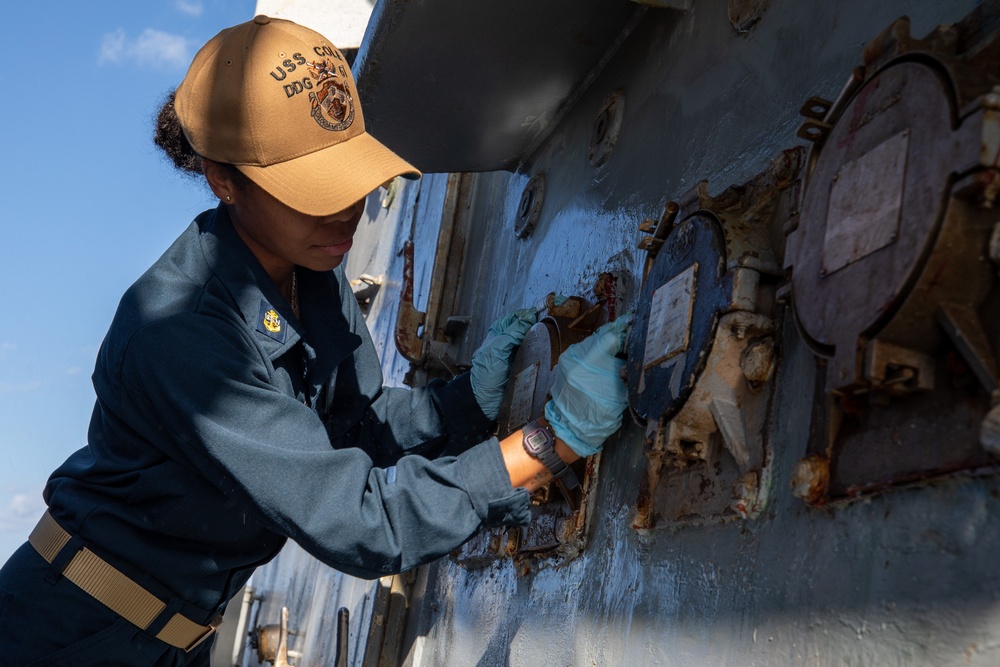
(539, 441)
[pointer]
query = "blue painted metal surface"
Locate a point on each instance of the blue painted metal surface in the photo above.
(904, 578)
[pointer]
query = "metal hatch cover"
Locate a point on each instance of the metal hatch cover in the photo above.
(692, 258)
(844, 285)
(454, 90)
(892, 286)
(670, 318)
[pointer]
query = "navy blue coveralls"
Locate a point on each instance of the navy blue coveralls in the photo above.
(216, 438)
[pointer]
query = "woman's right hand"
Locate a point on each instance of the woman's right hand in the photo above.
(588, 395)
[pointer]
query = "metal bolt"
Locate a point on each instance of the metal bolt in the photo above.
(745, 494)
(757, 362)
(811, 479)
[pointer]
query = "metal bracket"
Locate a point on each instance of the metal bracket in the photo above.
(409, 320)
(365, 288)
(897, 370)
(659, 230)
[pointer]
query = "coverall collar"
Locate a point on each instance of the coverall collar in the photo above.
(249, 284)
(255, 293)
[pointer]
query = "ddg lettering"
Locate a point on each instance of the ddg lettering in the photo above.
(296, 87)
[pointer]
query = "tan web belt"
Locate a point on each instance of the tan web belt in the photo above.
(115, 590)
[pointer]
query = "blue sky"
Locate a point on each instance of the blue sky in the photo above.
(87, 203)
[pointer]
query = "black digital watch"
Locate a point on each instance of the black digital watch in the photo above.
(539, 442)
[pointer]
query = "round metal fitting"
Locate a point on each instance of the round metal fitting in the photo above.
(529, 209)
(676, 315)
(607, 125)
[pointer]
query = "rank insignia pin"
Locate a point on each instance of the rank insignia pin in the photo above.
(270, 323)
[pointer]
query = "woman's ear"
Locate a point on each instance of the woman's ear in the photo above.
(219, 180)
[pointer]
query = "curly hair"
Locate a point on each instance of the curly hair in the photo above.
(169, 136)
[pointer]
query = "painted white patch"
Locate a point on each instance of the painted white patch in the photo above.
(669, 327)
(865, 203)
(524, 396)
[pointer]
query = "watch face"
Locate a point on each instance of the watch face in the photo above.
(536, 440)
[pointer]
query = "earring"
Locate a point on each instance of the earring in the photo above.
(228, 198)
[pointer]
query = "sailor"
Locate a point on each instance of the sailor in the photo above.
(240, 399)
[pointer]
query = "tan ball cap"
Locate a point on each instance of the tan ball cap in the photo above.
(279, 101)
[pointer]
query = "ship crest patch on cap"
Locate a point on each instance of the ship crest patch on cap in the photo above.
(332, 104)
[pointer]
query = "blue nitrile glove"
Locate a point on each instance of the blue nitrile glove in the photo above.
(491, 362)
(588, 395)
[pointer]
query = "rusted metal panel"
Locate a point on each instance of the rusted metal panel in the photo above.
(702, 352)
(409, 320)
(558, 529)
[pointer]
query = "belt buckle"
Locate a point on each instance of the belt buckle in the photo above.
(212, 627)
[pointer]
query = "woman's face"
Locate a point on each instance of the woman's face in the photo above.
(281, 237)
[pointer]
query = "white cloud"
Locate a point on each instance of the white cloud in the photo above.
(156, 47)
(74, 370)
(112, 47)
(152, 48)
(189, 7)
(21, 512)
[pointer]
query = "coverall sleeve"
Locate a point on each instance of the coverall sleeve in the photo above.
(440, 419)
(200, 389)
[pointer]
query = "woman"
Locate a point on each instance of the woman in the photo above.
(240, 399)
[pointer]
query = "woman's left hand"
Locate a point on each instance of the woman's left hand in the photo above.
(588, 394)
(491, 362)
